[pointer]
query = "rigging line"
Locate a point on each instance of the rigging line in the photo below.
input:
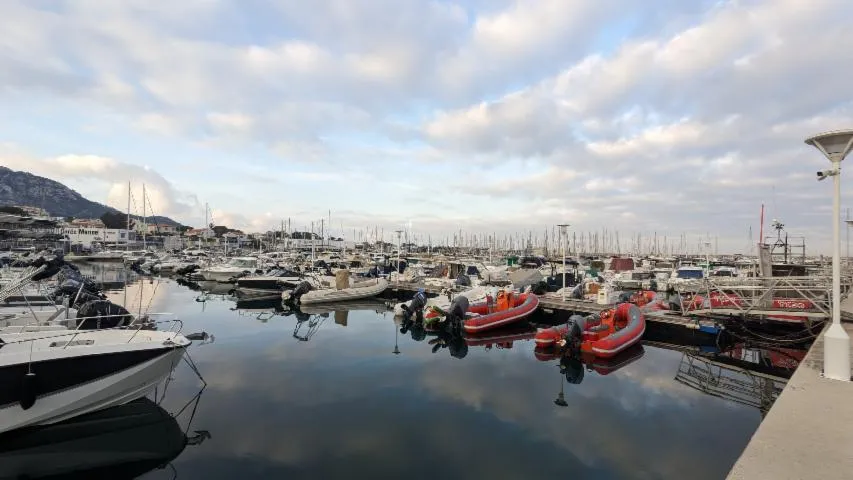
(153, 294)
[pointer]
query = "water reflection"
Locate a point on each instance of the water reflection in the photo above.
(748, 376)
(358, 399)
(120, 442)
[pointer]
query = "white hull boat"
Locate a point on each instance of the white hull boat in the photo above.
(50, 377)
(357, 290)
(235, 268)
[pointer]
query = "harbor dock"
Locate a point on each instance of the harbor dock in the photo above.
(552, 303)
(807, 433)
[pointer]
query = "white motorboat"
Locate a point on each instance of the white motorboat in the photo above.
(685, 274)
(235, 268)
(53, 376)
(277, 279)
(357, 290)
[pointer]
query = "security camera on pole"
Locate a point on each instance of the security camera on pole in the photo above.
(836, 354)
(563, 238)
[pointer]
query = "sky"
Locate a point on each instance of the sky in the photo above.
(435, 116)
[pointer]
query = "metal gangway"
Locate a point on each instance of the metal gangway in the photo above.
(795, 299)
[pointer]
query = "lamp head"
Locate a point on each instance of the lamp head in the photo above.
(834, 145)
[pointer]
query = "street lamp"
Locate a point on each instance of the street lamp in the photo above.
(563, 236)
(836, 354)
(707, 258)
(849, 224)
(399, 247)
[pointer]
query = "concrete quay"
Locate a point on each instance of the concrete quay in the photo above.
(808, 432)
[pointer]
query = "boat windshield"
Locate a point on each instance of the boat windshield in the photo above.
(243, 262)
(724, 273)
(690, 274)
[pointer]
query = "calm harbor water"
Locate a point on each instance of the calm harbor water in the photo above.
(341, 402)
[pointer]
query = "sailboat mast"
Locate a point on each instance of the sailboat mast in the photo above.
(127, 245)
(144, 219)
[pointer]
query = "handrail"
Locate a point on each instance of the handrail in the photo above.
(75, 333)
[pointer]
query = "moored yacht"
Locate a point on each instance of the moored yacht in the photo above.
(235, 268)
(277, 279)
(49, 377)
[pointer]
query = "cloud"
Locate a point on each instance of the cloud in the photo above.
(549, 108)
(101, 174)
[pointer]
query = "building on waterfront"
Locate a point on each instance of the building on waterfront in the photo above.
(87, 223)
(162, 229)
(87, 236)
(33, 211)
(27, 233)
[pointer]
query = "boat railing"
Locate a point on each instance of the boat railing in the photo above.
(809, 297)
(175, 329)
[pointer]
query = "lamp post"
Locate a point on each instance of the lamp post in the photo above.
(563, 235)
(836, 354)
(849, 224)
(399, 247)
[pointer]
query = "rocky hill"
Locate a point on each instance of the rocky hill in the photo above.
(23, 188)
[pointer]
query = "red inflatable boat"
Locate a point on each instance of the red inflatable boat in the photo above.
(508, 308)
(612, 332)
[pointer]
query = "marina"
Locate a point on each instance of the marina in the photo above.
(286, 387)
(258, 345)
(446, 239)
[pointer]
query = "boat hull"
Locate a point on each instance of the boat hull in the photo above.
(490, 321)
(270, 283)
(605, 346)
(222, 276)
(352, 293)
(74, 386)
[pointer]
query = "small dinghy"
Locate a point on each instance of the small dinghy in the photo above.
(603, 335)
(508, 308)
(356, 291)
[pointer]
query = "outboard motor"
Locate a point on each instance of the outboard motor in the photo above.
(458, 307)
(674, 301)
(576, 324)
(624, 297)
(456, 314)
(577, 292)
(301, 289)
(463, 280)
(98, 314)
(417, 305)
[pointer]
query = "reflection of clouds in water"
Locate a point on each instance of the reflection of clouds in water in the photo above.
(342, 405)
(610, 420)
